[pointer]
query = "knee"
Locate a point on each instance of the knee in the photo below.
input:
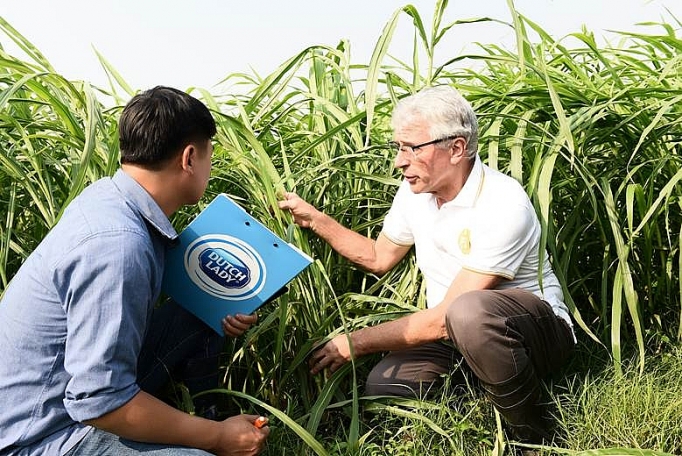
(469, 320)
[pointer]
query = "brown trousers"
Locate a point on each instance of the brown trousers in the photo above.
(509, 339)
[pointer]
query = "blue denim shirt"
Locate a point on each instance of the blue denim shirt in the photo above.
(73, 319)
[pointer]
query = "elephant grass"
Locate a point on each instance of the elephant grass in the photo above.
(591, 131)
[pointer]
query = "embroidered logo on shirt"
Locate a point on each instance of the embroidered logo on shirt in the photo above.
(464, 241)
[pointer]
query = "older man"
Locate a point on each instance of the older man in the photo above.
(476, 238)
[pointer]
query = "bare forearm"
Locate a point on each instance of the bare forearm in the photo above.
(377, 256)
(147, 419)
(416, 329)
(351, 245)
(420, 327)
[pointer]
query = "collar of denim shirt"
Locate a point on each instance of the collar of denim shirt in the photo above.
(145, 204)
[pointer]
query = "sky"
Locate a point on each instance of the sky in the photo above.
(198, 43)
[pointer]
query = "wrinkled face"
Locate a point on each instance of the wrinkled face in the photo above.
(426, 168)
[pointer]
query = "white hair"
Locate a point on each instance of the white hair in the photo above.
(446, 112)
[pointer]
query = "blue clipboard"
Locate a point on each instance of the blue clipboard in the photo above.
(227, 262)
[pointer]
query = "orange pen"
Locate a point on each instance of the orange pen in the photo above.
(260, 422)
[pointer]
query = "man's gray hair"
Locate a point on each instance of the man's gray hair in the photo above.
(446, 112)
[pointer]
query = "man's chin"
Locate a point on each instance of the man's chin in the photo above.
(416, 187)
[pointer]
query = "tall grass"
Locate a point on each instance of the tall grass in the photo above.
(592, 132)
(55, 138)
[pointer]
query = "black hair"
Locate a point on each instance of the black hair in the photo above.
(158, 123)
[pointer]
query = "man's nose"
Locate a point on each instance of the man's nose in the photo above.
(400, 160)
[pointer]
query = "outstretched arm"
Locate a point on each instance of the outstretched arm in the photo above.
(377, 256)
(147, 419)
(421, 327)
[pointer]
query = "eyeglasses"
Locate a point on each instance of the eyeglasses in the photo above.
(414, 150)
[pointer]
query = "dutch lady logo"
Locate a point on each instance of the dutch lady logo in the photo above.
(225, 267)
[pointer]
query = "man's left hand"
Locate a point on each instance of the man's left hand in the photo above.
(332, 355)
(236, 325)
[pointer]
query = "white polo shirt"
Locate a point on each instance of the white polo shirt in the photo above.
(490, 227)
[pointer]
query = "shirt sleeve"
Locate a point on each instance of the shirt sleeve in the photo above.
(396, 223)
(104, 285)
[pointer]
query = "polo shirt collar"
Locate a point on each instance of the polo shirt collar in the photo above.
(472, 187)
(142, 201)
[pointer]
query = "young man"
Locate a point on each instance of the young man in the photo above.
(476, 237)
(82, 347)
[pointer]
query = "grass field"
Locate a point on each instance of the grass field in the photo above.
(592, 131)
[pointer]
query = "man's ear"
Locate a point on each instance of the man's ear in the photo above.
(458, 148)
(187, 158)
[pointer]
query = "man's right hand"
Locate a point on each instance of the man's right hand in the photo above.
(302, 211)
(331, 355)
(239, 436)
